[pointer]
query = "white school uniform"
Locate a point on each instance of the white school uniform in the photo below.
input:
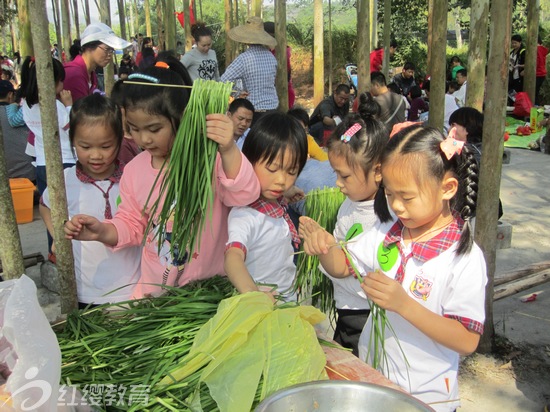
(449, 285)
(98, 269)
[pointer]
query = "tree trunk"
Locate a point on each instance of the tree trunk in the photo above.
(257, 8)
(318, 60)
(281, 82)
(330, 44)
(373, 13)
(491, 160)
(477, 54)
(456, 22)
(430, 35)
(136, 14)
(10, 244)
(109, 70)
(530, 70)
(122, 18)
(66, 28)
(54, 162)
(387, 37)
(228, 41)
(87, 11)
(363, 46)
(170, 18)
(25, 28)
(438, 64)
(132, 26)
(187, 26)
(160, 6)
(147, 7)
(14, 30)
(200, 10)
(235, 22)
(57, 22)
(76, 21)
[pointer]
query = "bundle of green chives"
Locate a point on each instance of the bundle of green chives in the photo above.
(322, 205)
(187, 190)
(136, 343)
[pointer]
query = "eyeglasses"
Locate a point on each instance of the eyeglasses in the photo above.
(108, 50)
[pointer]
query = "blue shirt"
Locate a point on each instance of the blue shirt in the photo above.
(257, 69)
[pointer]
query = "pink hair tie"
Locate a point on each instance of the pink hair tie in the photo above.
(450, 146)
(348, 134)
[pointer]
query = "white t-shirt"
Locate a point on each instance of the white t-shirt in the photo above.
(359, 217)
(460, 94)
(450, 107)
(98, 269)
(449, 285)
(269, 252)
(32, 118)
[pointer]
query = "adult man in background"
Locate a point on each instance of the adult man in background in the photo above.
(460, 94)
(329, 113)
(392, 105)
(241, 112)
(405, 79)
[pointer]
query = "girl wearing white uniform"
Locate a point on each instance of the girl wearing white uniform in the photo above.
(261, 235)
(424, 269)
(354, 151)
(92, 186)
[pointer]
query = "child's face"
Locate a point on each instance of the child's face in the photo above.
(96, 149)
(276, 178)
(420, 207)
(352, 182)
(151, 132)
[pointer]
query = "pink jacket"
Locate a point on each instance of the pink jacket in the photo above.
(132, 217)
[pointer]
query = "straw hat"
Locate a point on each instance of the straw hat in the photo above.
(252, 32)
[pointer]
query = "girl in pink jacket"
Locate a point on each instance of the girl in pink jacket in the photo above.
(153, 115)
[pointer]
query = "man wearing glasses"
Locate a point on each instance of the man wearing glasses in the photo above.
(98, 43)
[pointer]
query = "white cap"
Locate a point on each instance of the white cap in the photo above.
(103, 33)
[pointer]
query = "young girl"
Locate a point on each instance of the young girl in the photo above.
(93, 188)
(423, 269)
(201, 62)
(153, 114)
(31, 115)
(356, 162)
(261, 234)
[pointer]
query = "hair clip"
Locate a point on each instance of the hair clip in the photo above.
(33, 59)
(162, 65)
(143, 77)
(348, 134)
(450, 146)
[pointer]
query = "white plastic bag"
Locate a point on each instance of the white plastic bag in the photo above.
(28, 350)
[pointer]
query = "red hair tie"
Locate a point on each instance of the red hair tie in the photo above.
(32, 59)
(162, 65)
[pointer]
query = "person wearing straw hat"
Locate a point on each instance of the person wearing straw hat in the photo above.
(98, 43)
(256, 68)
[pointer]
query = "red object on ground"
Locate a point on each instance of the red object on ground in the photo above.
(530, 298)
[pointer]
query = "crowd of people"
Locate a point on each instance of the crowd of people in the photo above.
(403, 237)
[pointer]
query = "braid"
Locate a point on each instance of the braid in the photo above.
(466, 199)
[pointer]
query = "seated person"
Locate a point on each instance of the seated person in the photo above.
(313, 149)
(418, 104)
(329, 113)
(405, 79)
(241, 112)
(392, 105)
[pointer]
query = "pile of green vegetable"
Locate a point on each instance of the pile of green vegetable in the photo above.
(322, 205)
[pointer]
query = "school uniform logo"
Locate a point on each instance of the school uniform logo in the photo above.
(420, 287)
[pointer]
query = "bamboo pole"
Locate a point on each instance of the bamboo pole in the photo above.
(187, 26)
(10, 244)
(147, 7)
(109, 70)
(438, 64)
(170, 18)
(477, 54)
(281, 81)
(387, 37)
(318, 60)
(491, 160)
(530, 69)
(363, 46)
(54, 162)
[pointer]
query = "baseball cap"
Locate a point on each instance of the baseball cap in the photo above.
(5, 87)
(103, 33)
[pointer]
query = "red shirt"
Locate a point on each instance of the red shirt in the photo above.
(541, 60)
(376, 60)
(77, 80)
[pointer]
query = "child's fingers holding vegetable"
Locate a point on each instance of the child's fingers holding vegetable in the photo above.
(317, 240)
(385, 292)
(219, 128)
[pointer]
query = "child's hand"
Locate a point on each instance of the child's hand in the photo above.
(316, 240)
(219, 128)
(82, 227)
(66, 98)
(385, 292)
(294, 194)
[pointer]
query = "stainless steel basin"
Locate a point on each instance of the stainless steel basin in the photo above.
(340, 396)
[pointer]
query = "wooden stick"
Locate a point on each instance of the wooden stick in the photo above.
(518, 274)
(518, 286)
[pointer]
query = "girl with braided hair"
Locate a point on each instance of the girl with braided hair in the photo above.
(424, 269)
